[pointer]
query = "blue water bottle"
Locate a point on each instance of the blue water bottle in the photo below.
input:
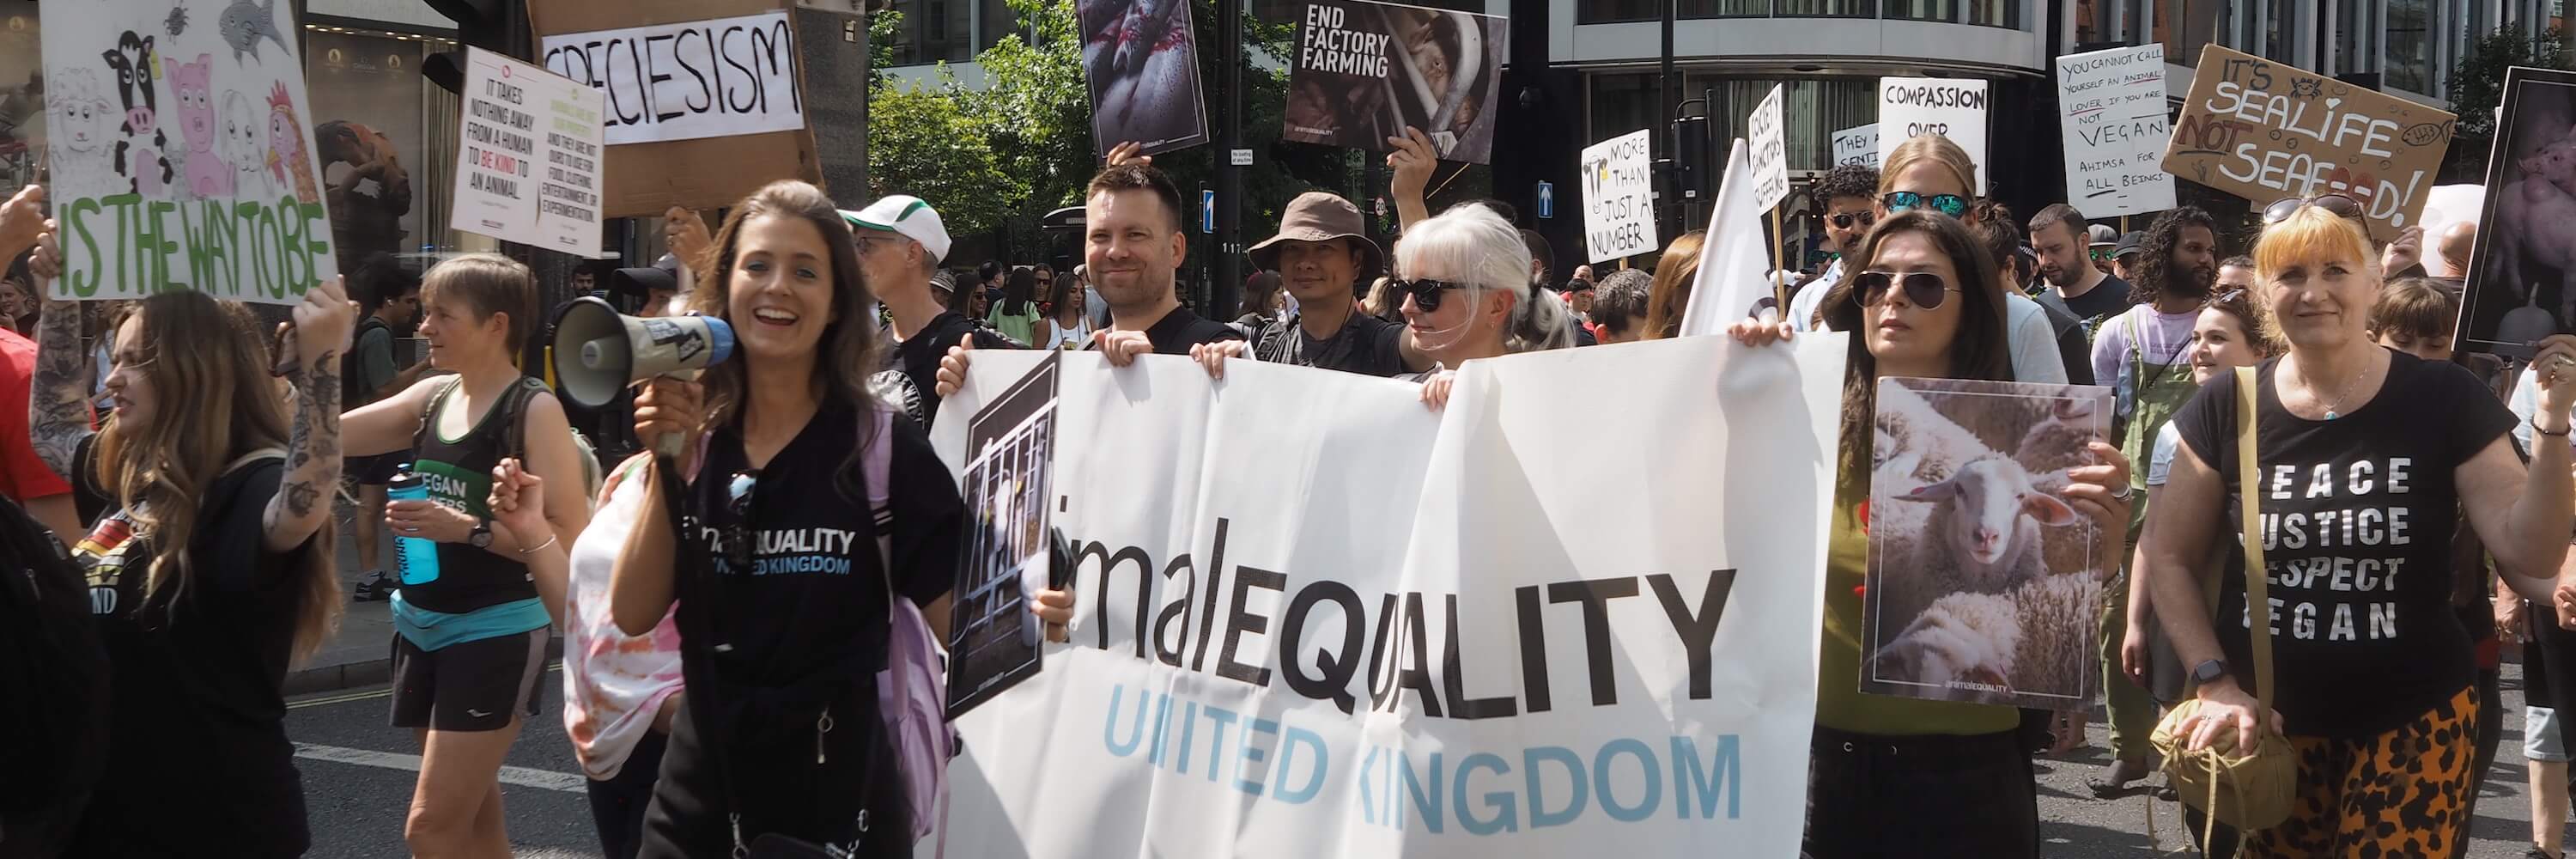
(419, 557)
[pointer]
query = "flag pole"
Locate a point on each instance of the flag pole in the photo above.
(1779, 291)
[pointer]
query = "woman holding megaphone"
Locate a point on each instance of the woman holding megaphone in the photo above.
(470, 620)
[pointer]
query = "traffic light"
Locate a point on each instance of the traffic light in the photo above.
(499, 26)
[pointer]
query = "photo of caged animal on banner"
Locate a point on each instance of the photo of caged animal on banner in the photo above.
(178, 154)
(1984, 584)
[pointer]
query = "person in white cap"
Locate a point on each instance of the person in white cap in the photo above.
(900, 242)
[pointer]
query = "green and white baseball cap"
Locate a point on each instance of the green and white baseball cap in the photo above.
(905, 215)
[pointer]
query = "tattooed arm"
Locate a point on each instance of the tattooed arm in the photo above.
(58, 415)
(302, 503)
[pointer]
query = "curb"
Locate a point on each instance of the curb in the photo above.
(368, 672)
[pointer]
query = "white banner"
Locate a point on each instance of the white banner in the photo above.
(1954, 108)
(2111, 105)
(527, 159)
(714, 78)
(1316, 619)
(1619, 197)
(182, 153)
(1857, 145)
(1768, 145)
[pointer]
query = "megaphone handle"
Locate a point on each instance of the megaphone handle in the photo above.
(670, 446)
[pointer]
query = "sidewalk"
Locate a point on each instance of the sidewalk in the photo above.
(360, 653)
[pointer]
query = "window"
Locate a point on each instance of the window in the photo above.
(2410, 45)
(1814, 108)
(2185, 26)
(1921, 10)
(1735, 8)
(1852, 8)
(997, 21)
(1615, 11)
(2093, 21)
(932, 31)
(1995, 13)
(2356, 45)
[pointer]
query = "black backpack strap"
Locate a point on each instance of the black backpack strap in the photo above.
(429, 415)
(514, 433)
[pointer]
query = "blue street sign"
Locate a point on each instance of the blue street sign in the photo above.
(1207, 211)
(1547, 199)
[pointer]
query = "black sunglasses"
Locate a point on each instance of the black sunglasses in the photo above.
(1952, 205)
(2336, 204)
(1425, 291)
(1844, 220)
(739, 495)
(1922, 288)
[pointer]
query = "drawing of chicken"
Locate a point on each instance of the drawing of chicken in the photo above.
(287, 166)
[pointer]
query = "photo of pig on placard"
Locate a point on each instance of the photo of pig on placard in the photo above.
(2522, 277)
(1141, 60)
(1985, 585)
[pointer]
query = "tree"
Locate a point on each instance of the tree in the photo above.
(923, 142)
(2477, 89)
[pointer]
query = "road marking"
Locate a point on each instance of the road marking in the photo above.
(521, 776)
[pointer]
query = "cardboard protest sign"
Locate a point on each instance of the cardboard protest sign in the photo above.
(1954, 108)
(1366, 71)
(1422, 639)
(1857, 145)
(1768, 146)
(1956, 613)
(1010, 451)
(527, 162)
(179, 152)
(2522, 276)
(2111, 106)
(2266, 132)
(1141, 60)
(659, 152)
(1619, 197)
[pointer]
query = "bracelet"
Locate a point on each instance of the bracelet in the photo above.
(540, 547)
(2535, 427)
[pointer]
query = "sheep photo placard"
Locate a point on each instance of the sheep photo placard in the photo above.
(1985, 585)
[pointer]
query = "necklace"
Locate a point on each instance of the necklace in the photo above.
(2334, 410)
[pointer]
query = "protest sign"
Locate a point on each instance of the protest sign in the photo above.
(1141, 60)
(1997, 602)
(1010, 444)
(180, 156)
(1427, 637)
(527, 163)
(1365, 71)
(1769, 147)
(1954, 108)
(1857, 145)
(2111, 106)
(660, 152)
(2265, 132)
(2522, 275)
(1619, 197)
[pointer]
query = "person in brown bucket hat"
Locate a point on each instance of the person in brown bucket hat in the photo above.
(1322, 254)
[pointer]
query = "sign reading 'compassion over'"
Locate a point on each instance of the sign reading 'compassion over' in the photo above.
(689, 80)
(1915, 107)
(1429, 637)
(2265, 131)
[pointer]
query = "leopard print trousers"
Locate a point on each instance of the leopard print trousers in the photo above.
(2403, 793)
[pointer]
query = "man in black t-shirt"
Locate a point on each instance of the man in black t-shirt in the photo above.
(1320, 252)
(2062, 238)
(900, 241)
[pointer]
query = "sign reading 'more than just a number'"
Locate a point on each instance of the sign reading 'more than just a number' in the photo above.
(1914, 107)
(1618, 197)
(2112, 108)
(684, 81)
(527, 167)
(2265, 132)
(1769, 150)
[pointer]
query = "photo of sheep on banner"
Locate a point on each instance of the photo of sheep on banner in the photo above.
(1984, 584)
(1141, 60)
(2522, 277)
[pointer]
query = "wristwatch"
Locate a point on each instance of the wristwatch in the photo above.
(481, 538)
(2208, 672)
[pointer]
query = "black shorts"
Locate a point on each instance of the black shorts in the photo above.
(469, 686)
(374, 470)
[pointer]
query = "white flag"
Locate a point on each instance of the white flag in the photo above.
(1735, 261)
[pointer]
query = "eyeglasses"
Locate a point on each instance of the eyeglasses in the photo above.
(1922, 288)
(1844, 220)
(1426, 292)
(739, 494)
(1952, 205)
(2336, 204)
(869, 243)
(2225, 297)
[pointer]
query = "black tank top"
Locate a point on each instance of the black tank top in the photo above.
(459, 475)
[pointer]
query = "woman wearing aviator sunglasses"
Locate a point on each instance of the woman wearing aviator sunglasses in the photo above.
(1466, 294)
(1918, 303)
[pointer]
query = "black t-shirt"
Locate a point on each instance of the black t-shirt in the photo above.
(2105, 300)
(1365, 344)
(2358, 514)
(198, 756)
(2074, 340)
(1180, 329)
(811, 610)
(911, 377)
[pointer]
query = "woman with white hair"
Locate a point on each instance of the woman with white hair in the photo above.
(1463, 280)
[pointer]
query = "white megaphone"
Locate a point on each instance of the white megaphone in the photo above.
(599, 352)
